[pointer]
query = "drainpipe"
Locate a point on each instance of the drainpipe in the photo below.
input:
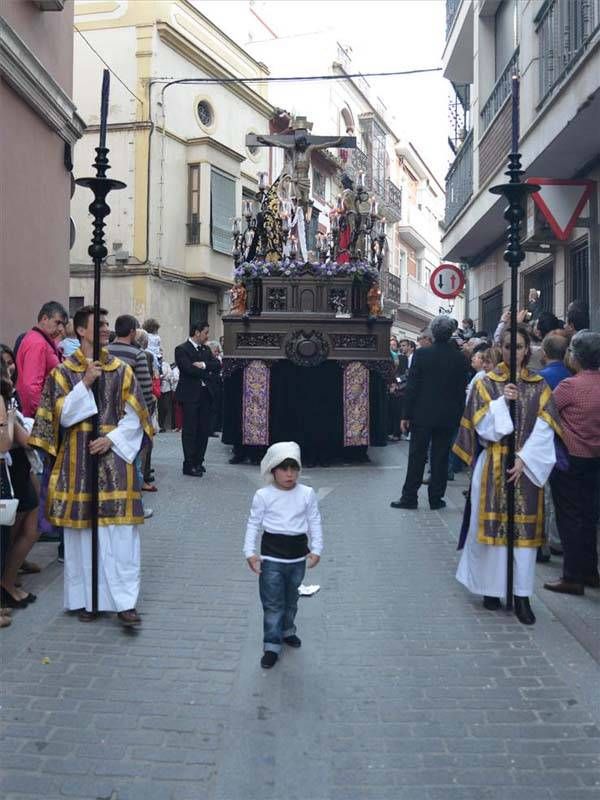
(594, 263)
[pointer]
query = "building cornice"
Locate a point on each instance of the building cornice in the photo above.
(132, 270)
(182, 45)
(207, 141)
(31, 80)
(214, 144)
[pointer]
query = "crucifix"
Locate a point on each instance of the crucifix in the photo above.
(298, 146)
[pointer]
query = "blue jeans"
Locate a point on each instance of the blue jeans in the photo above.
(278, 586)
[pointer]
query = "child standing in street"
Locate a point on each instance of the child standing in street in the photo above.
(287, 514)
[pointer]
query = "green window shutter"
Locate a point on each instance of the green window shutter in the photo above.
(222, 211)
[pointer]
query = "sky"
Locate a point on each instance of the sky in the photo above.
(385, 35)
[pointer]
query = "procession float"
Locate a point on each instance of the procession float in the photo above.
(306, 347)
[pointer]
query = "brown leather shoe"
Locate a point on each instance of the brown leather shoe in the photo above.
(129, 618)
(564, 587)
(593, 581)
(86, 616)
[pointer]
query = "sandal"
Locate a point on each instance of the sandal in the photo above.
(5, 621)
(149, 488)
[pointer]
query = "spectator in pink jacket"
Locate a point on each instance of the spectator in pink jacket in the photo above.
(38, 355)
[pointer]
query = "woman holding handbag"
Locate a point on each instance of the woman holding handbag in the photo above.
(8, 506)
(19, 499)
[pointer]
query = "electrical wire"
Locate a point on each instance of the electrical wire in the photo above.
(107, 65)
(302, 78)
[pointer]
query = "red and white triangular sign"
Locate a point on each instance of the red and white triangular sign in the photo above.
(561, 202)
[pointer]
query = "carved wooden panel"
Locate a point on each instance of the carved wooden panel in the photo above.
(277, 299)
(247, 339)
(354, 341)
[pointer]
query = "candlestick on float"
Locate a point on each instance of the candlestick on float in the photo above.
(99, 209)
(515, 192)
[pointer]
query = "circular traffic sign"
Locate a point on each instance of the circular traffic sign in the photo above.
(447, 281)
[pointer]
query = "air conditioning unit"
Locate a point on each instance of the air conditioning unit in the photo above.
(121, 256)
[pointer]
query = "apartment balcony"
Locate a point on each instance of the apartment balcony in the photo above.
(500, 93)
(392, 201)
(458, 54)
(418, 305)
(391, 288)
(357, 162)
(459, 180)
(565, 31)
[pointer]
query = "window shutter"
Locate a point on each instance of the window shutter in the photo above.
(222, 194)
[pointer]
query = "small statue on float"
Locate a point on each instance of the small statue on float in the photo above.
(374, 300)
(238, 296)
(347, 221)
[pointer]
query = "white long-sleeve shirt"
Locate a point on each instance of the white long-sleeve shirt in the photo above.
(290, 512)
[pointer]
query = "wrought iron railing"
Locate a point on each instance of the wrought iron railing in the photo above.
(459, 113)
(358, 162)
(459, 180)
(500, 92)
(452, 7)
(391, 288)
(193, 233)
(565, 29)
(393, 197)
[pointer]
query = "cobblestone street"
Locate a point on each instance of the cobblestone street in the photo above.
(405, 688)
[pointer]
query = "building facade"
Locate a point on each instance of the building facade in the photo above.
(554, 47)
(179, 147)
(38, 130)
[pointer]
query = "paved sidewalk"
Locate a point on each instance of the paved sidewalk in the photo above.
(405, 687)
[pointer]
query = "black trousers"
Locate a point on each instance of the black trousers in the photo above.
(575, 494)
(165, 411)
(441, 441)
(195, 431)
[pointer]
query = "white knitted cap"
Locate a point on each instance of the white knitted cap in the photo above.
(275, 455)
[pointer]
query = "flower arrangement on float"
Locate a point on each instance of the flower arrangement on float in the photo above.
(361, 271)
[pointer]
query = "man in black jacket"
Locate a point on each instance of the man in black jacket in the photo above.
(434, 401)
(196, 363)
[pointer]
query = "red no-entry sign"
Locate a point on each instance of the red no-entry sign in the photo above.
(447, 281)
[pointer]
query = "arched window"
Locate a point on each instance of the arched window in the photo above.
(348, 120)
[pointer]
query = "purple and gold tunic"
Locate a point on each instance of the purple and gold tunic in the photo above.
(535, 402)
(69, 489)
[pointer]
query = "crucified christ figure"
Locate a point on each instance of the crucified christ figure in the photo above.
(298, 146)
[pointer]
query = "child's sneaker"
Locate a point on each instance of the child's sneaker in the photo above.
(268, 660)
(293, 640)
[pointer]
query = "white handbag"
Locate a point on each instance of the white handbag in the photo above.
(8, 506)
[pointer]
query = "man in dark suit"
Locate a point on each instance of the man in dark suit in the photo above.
(196, 364)
(434, 401)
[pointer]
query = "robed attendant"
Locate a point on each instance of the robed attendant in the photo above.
(482, 443)
(63, 428)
